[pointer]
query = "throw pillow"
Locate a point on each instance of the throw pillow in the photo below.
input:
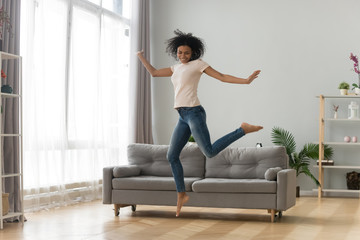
(271, 173)
(126, 171)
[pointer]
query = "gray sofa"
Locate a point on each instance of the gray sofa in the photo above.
(250, 178)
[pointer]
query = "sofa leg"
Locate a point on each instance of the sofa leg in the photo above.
(117, 209)
(118, 206)
(273, 211)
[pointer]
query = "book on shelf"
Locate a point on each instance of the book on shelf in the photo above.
(326, 162)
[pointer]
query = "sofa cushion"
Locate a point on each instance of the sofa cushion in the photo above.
(271, 173)
(245, 163)
(153, 183)
(222, 185)
(152, 161)
(126, 171)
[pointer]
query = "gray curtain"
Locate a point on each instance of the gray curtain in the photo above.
(10, 115)
(140, 83)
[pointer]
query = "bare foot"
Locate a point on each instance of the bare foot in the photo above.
(181, 200)
(250, 128)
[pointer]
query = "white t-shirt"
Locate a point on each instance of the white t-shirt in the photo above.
(185, 79)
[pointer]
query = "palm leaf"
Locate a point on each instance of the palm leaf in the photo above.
(328, 152)
(311, 150)
(281, 137)
(307, 172)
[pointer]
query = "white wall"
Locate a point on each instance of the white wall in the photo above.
(302, 48)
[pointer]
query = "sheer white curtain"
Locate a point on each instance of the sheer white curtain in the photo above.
(75, 75)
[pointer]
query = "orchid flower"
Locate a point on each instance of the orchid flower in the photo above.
(355, 59)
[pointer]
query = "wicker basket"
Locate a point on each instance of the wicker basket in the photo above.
(353, 180)
(5, 204)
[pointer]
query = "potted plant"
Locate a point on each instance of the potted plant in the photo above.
(5, 88)
(191, 140)
(299, 161)
(344, 87)
(356, 87)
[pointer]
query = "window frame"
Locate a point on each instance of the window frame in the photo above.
(99, 11)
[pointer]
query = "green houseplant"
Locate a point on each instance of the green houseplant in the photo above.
(191, 139)
(299, 161)
(344, 87)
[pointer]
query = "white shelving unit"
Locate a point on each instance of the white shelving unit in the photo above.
(19, 136)
(322, 142)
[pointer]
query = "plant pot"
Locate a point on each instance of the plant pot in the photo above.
(343, 91)
(297, 191)
(5, 204)
(357, 91)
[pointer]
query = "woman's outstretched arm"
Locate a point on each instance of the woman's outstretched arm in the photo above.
(231, 79)
(164, 72)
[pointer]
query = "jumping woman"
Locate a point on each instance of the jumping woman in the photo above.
(185, 76)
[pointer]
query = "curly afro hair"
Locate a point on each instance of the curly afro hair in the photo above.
(181, 39)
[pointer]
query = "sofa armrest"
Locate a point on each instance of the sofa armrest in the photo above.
(107, 184)
(116, 172)
(286, 189)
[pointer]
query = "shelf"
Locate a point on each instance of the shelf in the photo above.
(12, 214)
(9, 95)
(337, 191)
(8, 56)
(342, 144)
(338, 167)
(341, 190)
(10, 135)
(11, 175)
(17, 174)
(340, 96)
(341, 120)
(322, 121)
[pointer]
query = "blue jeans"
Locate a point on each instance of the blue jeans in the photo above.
(192, 121)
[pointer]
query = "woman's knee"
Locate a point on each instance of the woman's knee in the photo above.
(171, 156)
(209, 153)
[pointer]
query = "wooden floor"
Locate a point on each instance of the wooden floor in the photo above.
(329, 218)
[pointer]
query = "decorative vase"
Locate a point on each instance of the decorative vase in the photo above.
(5, 204)
(343, 91)
(354, 139)
(335, 115)
(353, 110)
(357, 91)
(347, 139)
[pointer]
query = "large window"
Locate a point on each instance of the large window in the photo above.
(75, 74)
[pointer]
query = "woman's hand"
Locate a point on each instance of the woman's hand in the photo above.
(253, 76)
(140, 53)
